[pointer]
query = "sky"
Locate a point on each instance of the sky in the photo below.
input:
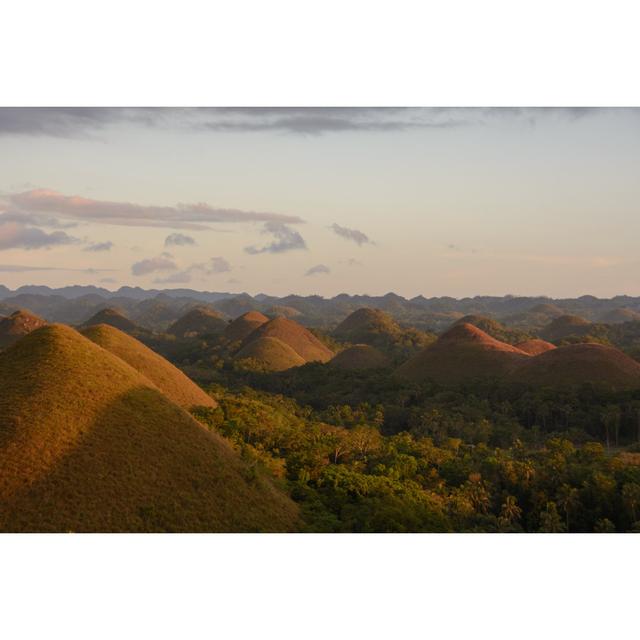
(433, 201)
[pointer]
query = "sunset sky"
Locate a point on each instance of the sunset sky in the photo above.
(418, 201)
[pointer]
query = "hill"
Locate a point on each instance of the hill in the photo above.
(18, 324)
(300, 339)
(114, 318)
(547, 309)
(269, 354)
(617, 316)
(244, 325)
(90, 444)
(197, 322)
(282, 310)
(565, 326)
(169, 379)
(535, 346)
(462, 353)
(359, 356)
(577, 364)
(494, 328)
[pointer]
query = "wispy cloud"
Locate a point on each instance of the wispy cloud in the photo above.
(351, 234)
(99, 246)
(178, 240)
(214, 266)
(185, 216)
(286, 239)
(14, 235)
(319, 269)
(150, 265)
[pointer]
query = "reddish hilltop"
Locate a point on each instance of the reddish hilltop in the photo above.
(199, 321)
(360, 356)
(169, 379)
(462, 353)
(300, 339)
(578, 364)
(90, 444)
(113, 317)
(269, 354)
(244, 325)
(535, 346)
(18, 324)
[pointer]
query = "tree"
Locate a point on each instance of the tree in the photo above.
(568, 500)
(550, 520)
(510, 511)
(631, 497)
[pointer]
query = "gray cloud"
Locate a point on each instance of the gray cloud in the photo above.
(151, 265)
(39, 220)
(318, 269)
(219, 265)
(352, 262)
(286, 239)
(178, 240)
(215, 265)
(351, 234)
(19, 268)
(100, 246)
(18, 236)
(181, 216)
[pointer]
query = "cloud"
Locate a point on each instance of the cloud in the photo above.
(214, 266)
(351, 234)
(178, 240)
(352, 262)
(181, 216)
(286, 239)
(108, 280)
(151, 265)
(318, 269)
(180, 277)
(14, 235)
(36, 219)
(219, 265)
(100, 246)
(19, 268)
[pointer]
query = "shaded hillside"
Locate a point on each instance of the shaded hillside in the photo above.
(90, 444)
(300, 339)
(566, 326)
(494, 328)
(268, 354)
(199, 321)
(535, 346)
(114, 318)
(244, 325)
(617, 316)
(284, 311)
(18, 324)
(378, 329)
(360, 356)
(462, 353)
(578, 364)
(170, 380)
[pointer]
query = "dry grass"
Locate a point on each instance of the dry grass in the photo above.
(197, 322)
(535, 346)
(360, 356)
(270, 354)
(301, 340)
(244, 326)
(87, 443)
(564, 326)
(18, 324)
(169, 379)
(113, 317)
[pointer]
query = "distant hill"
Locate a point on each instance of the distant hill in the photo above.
(197, 322)
(535, 346)
(617, 316)
(244, 325)
(18, 324)
(300, 339)
(90, 444)
(462, 353)
(269, 354)
(169, 379)
(578, 364)
(565, 326)
(547, 309)
(378, 329)
(284, 311)
(114, 318)
(494, 328)
(359, 356)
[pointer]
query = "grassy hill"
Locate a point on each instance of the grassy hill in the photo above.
(462, 353)
(494, 328)
(360, 356)
(566, 326)
(198, 322)
(114, 318)
(169, 379)
(535, 346)
(269, 354)
(244, 325)
(18, 324)
(90, 444)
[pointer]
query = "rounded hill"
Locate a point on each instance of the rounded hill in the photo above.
(359, 356)
(565, 326)
(535, 346)
(618, 316)
(300, 339)
(578, 364)
(169, 379)
(113, 317)
(269, 354)
(244, 325)
(90, 444)
(199, 321)
(462, 353)
(18, 324)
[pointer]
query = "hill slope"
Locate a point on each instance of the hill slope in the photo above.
(270, 354)
(89, 444)
(535, 346)
(462, 353)
(360, 356)
(578, 364)
(169, 379)
(18, 324)
(244, 325)
(301, 340)
(565, 326)
(197, 322)
(113, 317)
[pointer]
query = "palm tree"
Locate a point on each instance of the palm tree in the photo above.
(567, 499)
(510, 511)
